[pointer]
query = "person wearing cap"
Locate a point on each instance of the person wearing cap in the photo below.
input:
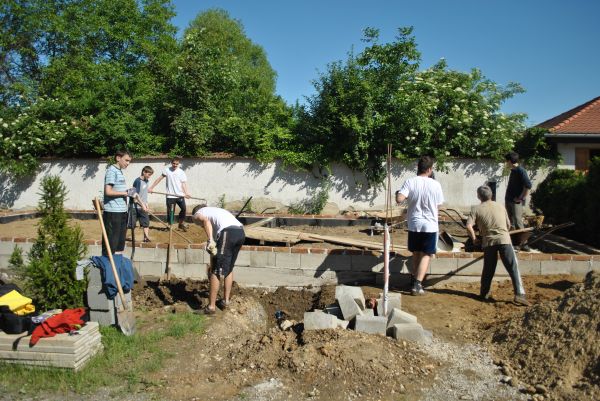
(492, 221)
(225, 238)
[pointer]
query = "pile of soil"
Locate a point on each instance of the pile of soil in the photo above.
(554, 349)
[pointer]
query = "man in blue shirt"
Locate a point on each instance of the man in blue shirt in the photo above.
(115, 203)
(517, 189)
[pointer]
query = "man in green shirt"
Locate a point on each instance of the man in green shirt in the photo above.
(492, 221)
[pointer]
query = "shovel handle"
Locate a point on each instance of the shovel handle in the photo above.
(112, 261)
(178, 196)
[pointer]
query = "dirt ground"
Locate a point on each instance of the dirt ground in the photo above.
(244, 355)
(159, 233)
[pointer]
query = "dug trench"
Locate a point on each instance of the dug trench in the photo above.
(481, 351)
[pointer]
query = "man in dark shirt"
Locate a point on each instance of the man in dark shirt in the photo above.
(517, 189)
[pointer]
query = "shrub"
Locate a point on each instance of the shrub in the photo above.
(566, 195)
(49, 276)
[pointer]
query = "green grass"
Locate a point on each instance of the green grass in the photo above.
(124, 362)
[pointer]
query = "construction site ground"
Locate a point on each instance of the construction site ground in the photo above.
(481, 350)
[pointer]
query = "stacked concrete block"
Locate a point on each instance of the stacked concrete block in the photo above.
(371, 324)
(394, 301)
(102, 309)
(349, 307)
(342, 324)
(354, 292)
(318, 320)
(334, 310)
(411, 332)
(397, 316)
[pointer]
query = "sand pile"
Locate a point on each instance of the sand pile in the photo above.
(554, 349)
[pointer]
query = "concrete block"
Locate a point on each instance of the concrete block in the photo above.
(397, 265)
(350, 308)
(104, 318)
(144, 254)
(397, 316)
(394, 301)
(263, 259)
(178, 270)
(197, 271)
(319, 321)
(94, 276)
(556, 266)
(411, 332)
(243, 258)
(365, 262)
(397, 280)
(193, 256)
(96, 299)
(342, 324)
(371, 324)
(581, 268)
(334, 310)
(7, 247)
(287, 260)
(368, 312)
(94, 250)
(355, 292)
(474, 266)
(529, 267)
(269, 277)
(314, 261)
(355, 278)
(153, 269)
(443, 265)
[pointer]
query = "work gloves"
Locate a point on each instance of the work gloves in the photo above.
(211, 247)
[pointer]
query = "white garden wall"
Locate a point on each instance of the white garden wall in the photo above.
(239, 178)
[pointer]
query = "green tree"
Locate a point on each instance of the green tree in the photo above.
(224, 93)
(94, 67)
(49, 276)
(380, 97)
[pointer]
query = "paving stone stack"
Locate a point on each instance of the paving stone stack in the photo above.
(62, 350)
(351, 311)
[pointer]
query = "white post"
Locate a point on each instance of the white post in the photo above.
(386, 267)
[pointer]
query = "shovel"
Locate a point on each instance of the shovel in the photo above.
(125, 316)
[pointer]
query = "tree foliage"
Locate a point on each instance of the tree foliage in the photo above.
(224, 92)
(380, 97)
(49, 276)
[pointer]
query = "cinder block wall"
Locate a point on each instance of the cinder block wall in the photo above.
(266, 266)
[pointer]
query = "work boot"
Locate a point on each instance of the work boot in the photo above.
(183, 227)
(417, 288)
(487, 297)
(521, 300)
(222, 304)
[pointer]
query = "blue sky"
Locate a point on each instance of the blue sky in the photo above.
(550, 47)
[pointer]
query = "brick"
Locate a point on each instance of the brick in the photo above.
(540, 256)
(319, 321)
(581, 268)
(355, 293)
(394, 301)
(581, 257)
(556, 267)
(371, 324)
(411, 332)
(350, 308)
(560, 256)
(299, 250)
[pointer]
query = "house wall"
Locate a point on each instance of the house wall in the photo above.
(238, 179)
(567, 150)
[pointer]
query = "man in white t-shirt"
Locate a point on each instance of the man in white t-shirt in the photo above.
(177, 190)
(424, 196)
(225, 238)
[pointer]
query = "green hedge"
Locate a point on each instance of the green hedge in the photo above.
(566, 195)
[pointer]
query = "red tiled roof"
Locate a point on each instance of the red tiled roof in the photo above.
(583, 119)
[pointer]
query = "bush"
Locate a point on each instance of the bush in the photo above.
(49, 276)
(566, 195)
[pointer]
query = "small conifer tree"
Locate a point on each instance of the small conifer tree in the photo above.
(49, 276)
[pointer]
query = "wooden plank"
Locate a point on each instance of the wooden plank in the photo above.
(259, 223)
